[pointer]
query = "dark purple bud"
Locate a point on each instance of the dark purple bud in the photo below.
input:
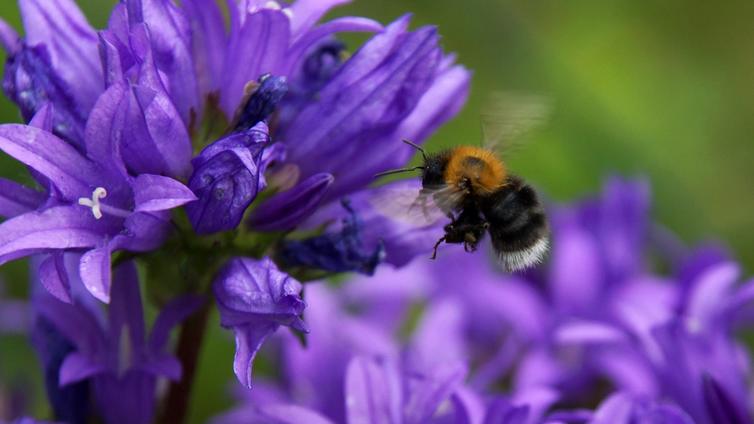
(262, 102)
(286, 210)
(226, 180)
(31, 82)
(334, 252)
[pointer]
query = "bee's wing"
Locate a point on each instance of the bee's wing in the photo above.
(413, 205)
(508, 116)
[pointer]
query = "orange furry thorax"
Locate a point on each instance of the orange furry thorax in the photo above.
(479, 167)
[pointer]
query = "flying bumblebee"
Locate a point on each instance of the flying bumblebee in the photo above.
(472, 186)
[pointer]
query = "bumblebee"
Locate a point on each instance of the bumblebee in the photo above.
(473, 188)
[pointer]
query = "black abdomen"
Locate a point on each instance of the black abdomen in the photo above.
(517, 224)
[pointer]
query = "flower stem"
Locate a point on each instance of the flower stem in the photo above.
(189, 345)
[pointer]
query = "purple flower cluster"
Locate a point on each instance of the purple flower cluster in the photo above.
(182, 144)
(595, 336)
(197, 156)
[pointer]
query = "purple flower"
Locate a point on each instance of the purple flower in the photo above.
(397, 85)
(254, 299)
(93, 204)
(117, 359)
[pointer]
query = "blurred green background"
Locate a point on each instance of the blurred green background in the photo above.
(663, 89)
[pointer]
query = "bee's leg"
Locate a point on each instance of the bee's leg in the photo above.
(434, 251)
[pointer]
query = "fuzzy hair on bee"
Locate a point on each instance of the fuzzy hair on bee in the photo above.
(473, 188)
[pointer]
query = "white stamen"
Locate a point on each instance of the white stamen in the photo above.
(272, 5)
(288, 12)
(97, 194)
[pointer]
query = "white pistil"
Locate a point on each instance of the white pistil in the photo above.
(97, 194)
(98, 208)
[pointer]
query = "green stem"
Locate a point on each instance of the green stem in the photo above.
(189, 345)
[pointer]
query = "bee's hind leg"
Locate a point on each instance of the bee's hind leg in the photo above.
(434, 250)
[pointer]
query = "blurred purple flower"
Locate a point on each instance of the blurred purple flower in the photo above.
(596, 312)
(117, 359)
(254, 299)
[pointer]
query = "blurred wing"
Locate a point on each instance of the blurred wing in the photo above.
(508, 116)
(413, 206)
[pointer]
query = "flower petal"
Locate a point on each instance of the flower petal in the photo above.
(126, 312)
(345, 24)
(589, 332)
(9, 39)
(209, 42)
(76, 324)
(305, 13)
(95, 272)
(31, 82)
(104, 129)
(72, 174)
(171, 315)
(163, 366)
(286, 210)
(617, 409)
(54, 277)
(373, 392)
(157, 193)
(249, 339)
(16, 199)
(155, 139)
(60, 227)
(254, 299)
(259, 47)
(71, 41)
(170, 39)
(77, 367)
(226, 180)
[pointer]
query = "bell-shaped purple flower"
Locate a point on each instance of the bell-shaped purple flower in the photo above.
(117, 359)
(227, 178)
(255, 298)
(93, 204)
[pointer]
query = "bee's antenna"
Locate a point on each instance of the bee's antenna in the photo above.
(417, 147)
(397, 171)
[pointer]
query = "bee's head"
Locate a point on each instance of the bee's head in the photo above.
(433, 172)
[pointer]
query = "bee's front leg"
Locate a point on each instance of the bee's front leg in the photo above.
(434, 251)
